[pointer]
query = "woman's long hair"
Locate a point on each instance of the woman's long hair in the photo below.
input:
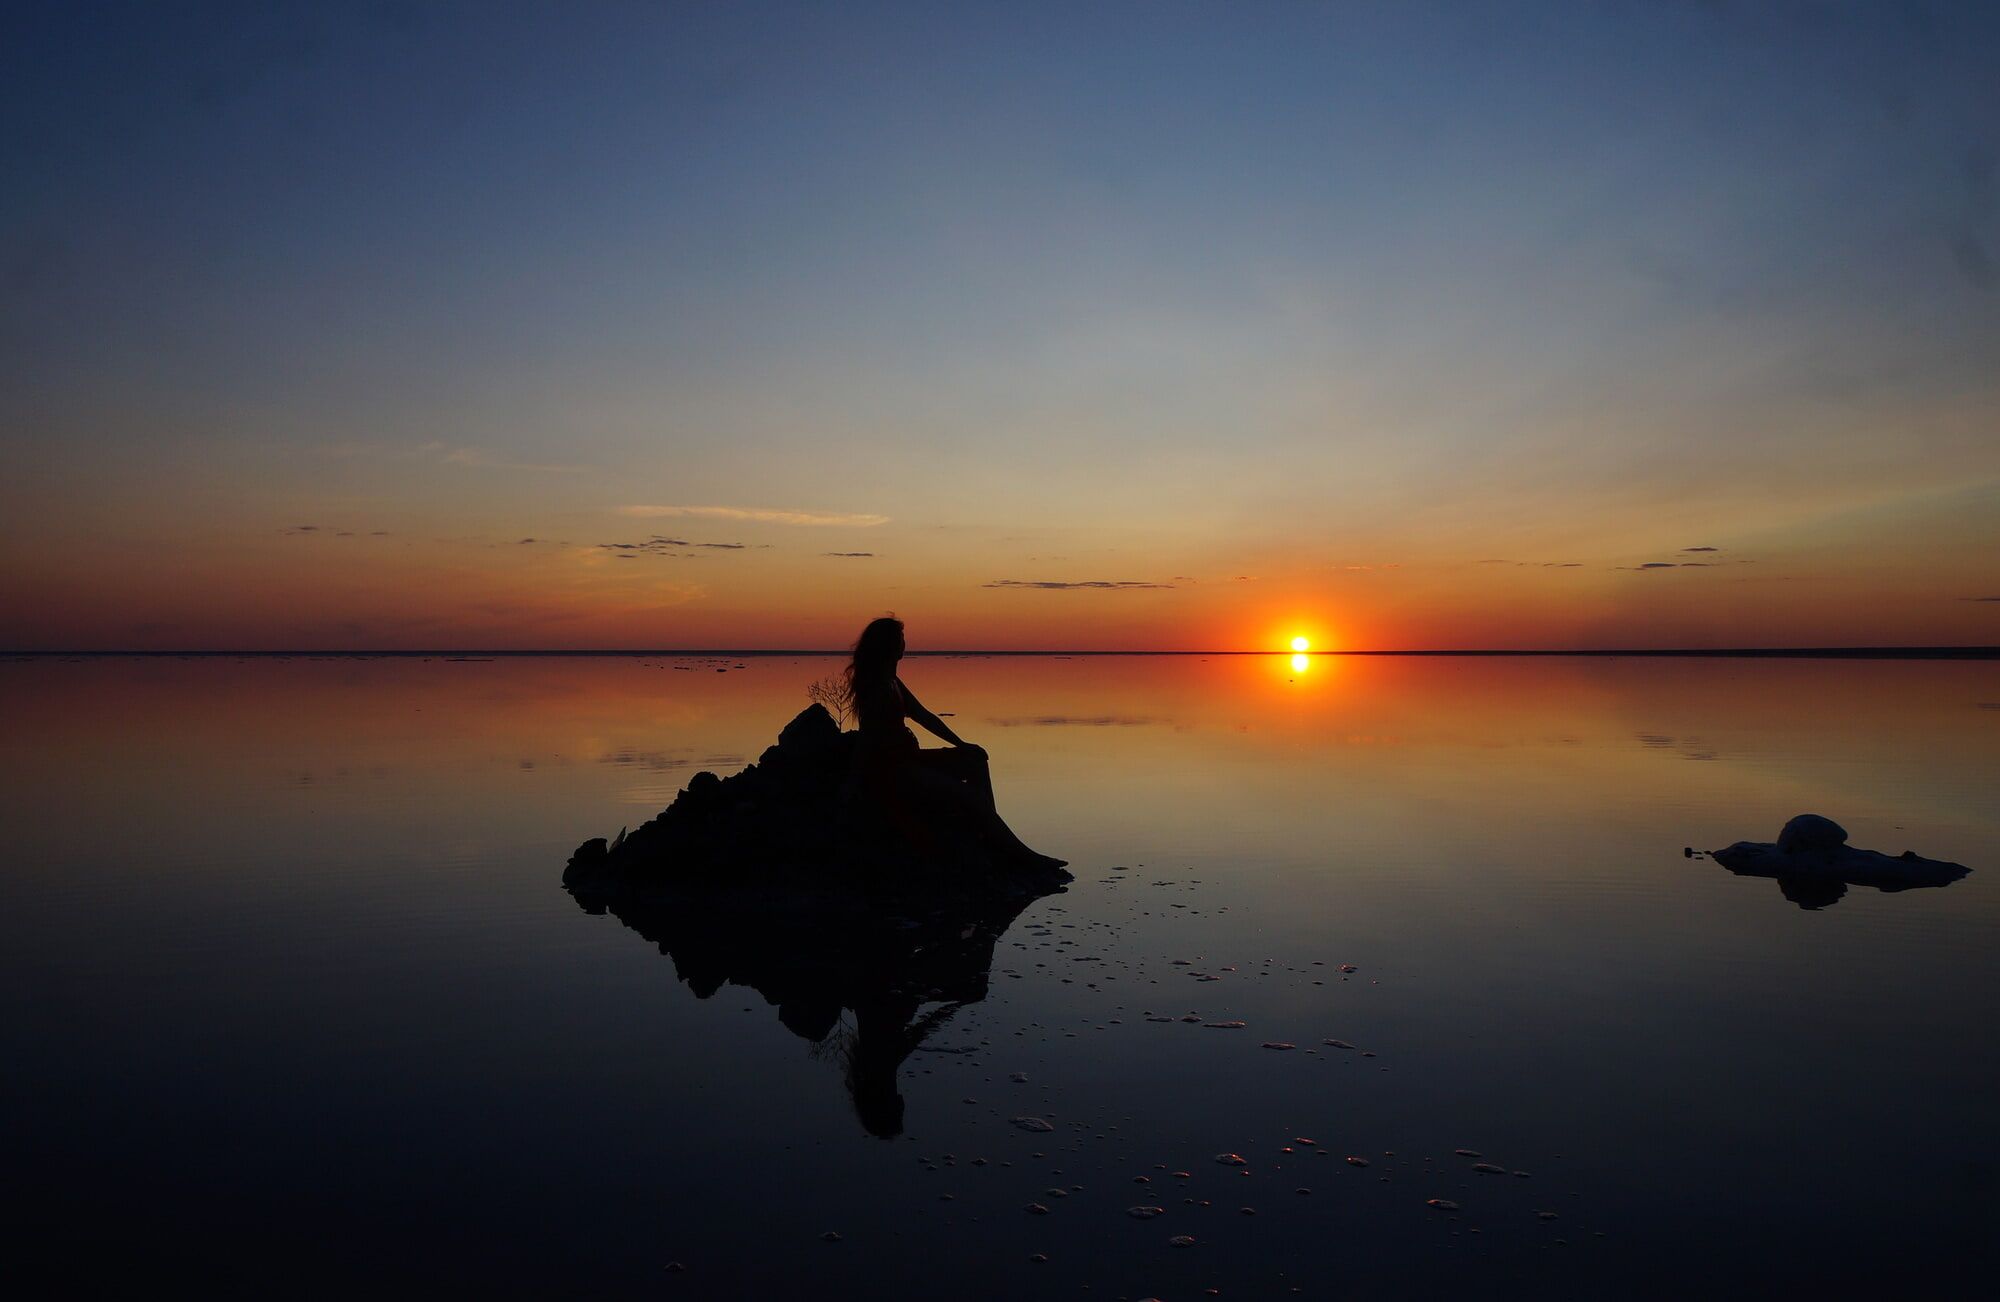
(875, 652)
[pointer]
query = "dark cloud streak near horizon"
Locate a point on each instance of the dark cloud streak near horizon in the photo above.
(660, 545)
(1120, 585)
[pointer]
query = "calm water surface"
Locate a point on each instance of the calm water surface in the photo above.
(294, 1001)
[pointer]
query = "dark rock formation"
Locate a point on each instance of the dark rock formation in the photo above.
(788, 835)
(1814, 865)
(777, 880)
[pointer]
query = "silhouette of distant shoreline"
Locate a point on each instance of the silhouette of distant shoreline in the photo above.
(1697, 653)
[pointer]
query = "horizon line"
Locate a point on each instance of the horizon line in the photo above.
(1822, 653)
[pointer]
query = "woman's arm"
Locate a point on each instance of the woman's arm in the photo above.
(932, 724)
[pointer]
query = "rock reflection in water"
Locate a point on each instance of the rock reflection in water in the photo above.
(901, 968)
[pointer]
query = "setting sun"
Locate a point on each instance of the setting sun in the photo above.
(1301, 644)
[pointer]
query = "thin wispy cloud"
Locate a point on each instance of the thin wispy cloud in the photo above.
(849, 555)
(759, 514)
(471, 456)
(1120, 585)
(448, 454)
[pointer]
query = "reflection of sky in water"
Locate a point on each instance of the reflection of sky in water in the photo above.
(284, 946)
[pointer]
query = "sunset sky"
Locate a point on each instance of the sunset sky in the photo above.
(1152, 326)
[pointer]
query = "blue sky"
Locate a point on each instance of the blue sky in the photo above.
(1200, 293)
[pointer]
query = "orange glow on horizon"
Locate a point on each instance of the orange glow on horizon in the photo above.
(289, 593)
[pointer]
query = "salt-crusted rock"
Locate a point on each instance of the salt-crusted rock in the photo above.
(1814, 865)
(1812, 834)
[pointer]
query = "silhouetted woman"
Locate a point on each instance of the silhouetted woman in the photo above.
(919, 785)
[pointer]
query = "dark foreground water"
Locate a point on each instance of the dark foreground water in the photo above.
(294, 1002)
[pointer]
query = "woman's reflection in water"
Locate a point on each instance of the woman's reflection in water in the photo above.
(872, 1051)
(900, 978)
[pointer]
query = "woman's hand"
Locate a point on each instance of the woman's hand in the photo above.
(924, 718)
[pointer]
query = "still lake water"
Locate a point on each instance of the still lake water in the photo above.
(294, 1001)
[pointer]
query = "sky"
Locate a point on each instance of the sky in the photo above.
(1093, 326)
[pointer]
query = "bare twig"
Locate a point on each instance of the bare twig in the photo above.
(833, 693)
